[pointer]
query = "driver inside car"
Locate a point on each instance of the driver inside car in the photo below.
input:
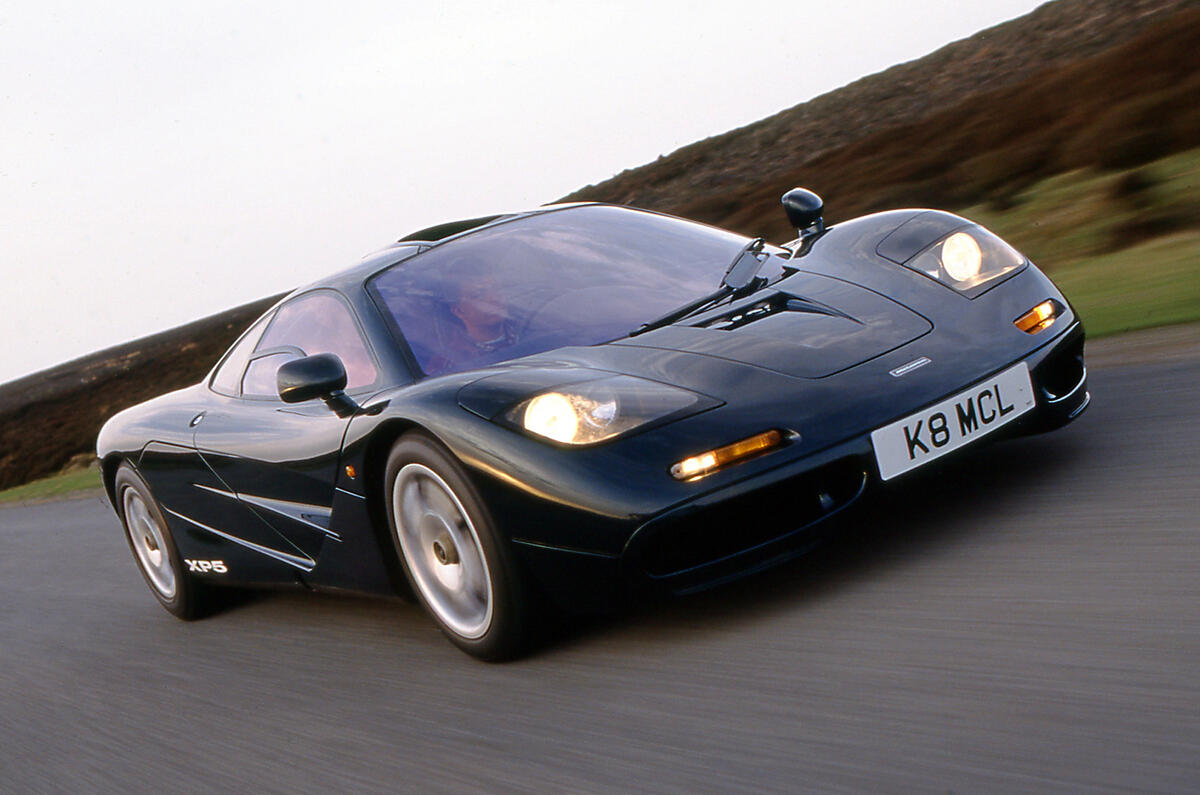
(476, 327)
(483, 315)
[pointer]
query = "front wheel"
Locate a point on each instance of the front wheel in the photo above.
(153, 548)
(452, 557)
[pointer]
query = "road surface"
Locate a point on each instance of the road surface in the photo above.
(1028, 619)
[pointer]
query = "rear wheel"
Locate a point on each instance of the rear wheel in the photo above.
(451, 555)
(153, 547)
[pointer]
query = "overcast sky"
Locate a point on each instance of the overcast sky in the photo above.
(160, 162)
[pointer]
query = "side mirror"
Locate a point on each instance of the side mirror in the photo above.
(319, 376)
(804, 208)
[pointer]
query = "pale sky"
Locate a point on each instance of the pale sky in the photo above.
(160, 162)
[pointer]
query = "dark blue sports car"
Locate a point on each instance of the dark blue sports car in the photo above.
(576, 403)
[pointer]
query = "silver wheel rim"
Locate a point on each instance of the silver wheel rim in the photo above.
(149, 544)
(442, 549)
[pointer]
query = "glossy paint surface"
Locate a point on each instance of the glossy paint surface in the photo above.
(266, 486)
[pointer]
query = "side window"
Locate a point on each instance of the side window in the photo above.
(318, 322)
(259, 380)
(226, 379)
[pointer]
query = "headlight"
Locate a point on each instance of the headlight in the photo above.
(961, 257)
(968, 260)
(597, 410)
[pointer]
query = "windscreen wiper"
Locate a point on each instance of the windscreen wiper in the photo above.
(739, 275)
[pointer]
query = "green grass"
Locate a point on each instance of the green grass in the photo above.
(54, 486)
(1077, 227)
(1156, 283)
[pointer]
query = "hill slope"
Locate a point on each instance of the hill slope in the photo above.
(50, 417)
(707, 179)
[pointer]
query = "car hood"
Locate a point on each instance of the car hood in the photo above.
(816, 326)
(808, 325)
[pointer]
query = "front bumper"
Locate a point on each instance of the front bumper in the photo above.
(774, 516)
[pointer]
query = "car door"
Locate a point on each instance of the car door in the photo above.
(281, 460)
(207, 525)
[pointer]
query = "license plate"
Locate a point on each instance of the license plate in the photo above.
(957, 421)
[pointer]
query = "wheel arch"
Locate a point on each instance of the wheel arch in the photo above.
(374, 467)
(108, 475)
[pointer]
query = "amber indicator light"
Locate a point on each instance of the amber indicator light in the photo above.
(705, 463)
(1038, 318)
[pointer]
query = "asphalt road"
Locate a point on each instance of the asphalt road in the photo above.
(1026, 620)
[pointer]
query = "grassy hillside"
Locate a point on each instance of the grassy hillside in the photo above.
(1132, 103)
(1074, 131)
(1124, 245)
(51, 417)
(69, 482)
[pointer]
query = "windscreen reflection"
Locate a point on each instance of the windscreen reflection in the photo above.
(576, 276)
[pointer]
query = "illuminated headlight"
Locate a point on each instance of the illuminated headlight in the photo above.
(961, 257)
(968, 260)
(593, 411)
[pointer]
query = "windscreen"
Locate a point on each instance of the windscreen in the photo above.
(576, 276)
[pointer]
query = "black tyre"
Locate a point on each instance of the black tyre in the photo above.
(154, 549)
(458, 568)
